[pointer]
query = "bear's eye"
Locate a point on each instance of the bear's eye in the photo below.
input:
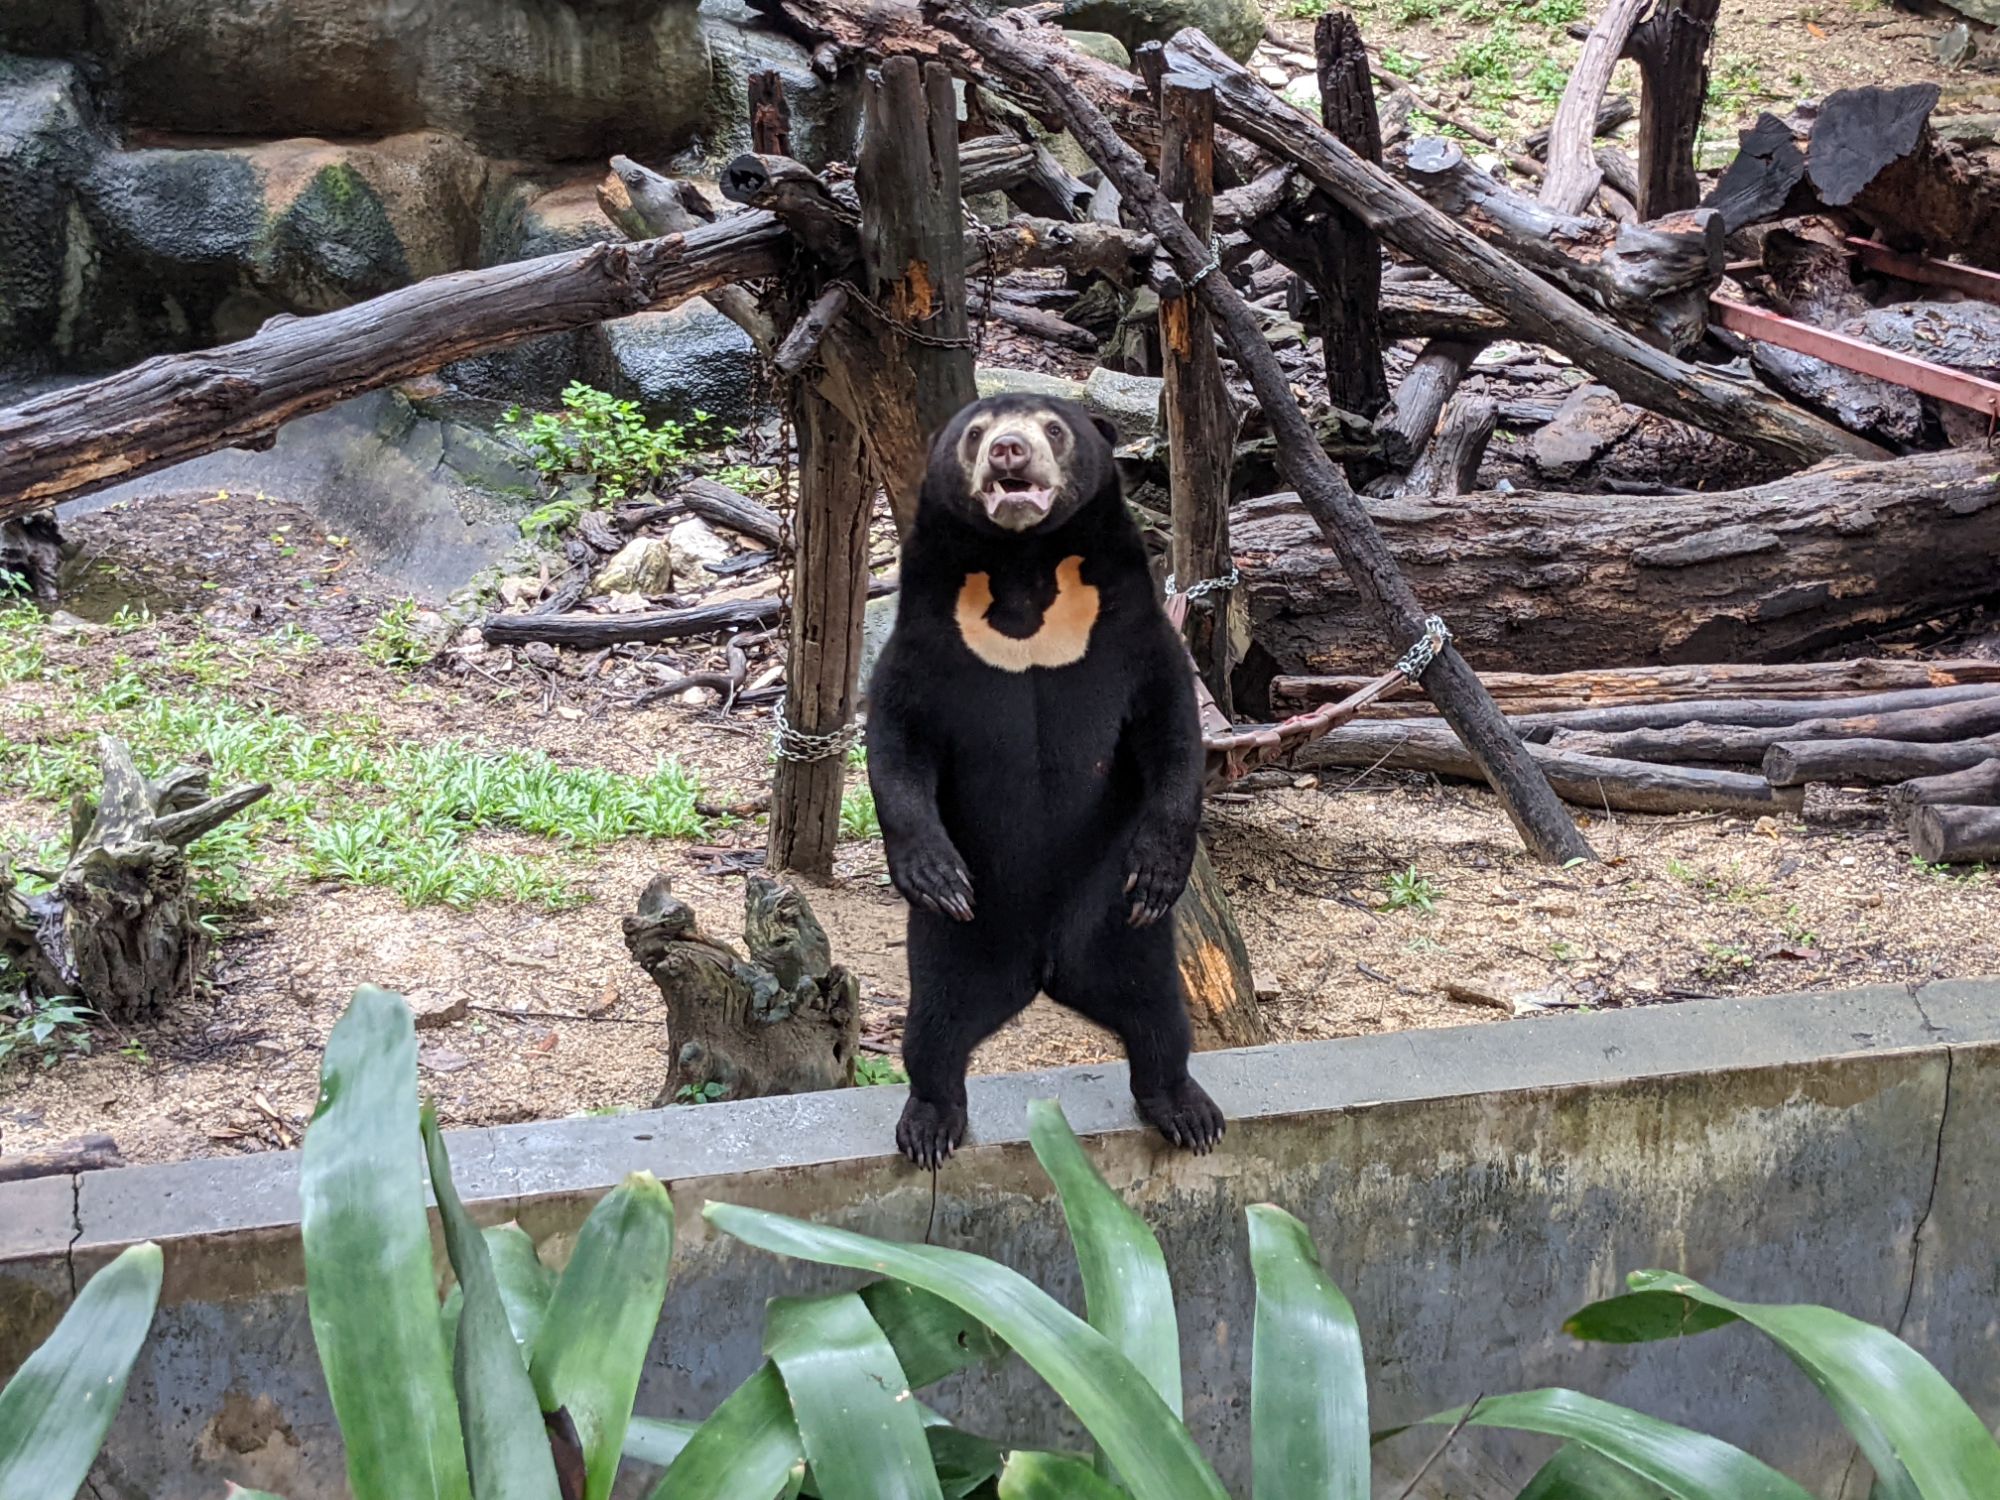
(973, 434)
(1057, 432)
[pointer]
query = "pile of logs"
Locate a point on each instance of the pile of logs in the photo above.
(1919, 743)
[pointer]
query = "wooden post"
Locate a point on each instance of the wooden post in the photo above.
(770, 114)
(823, 668)
(1671, 48)
(1351, 302)
(1201, 419)
(913, 255)
(1544, 825)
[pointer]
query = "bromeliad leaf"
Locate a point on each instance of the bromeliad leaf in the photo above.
(1308, 1388)
(1127, 1294)
(1116, 1403)
(932, 1339)
(600, 1321)
(1917, 1433)
(505, 1446)
(1686, 1465)
(1030, 1475)
(55, 1411)
(862, 1430)
(1577, 1473)
(370, 1287)
(747, 1450)
(525, 1285)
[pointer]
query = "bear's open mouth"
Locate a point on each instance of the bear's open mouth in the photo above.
(1015, 502)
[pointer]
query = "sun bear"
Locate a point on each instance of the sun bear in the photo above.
(1036, 762)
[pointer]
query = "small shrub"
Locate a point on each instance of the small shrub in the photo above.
(857, 815)
(705, 1093)
(1410, 889)
(602, 437)
(395, 642)
(43, 1030)
(870, 1070)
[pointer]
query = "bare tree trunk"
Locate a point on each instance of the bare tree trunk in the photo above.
(1214, 964)
(1671, 48)
(1350, 298)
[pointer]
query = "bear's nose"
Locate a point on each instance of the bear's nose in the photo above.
(1007, 453)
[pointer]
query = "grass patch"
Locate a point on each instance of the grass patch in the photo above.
(1410, 889)
(351, 802)
(870, 1070)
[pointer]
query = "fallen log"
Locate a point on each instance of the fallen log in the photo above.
(179, 406)
(1435, 309)
(1764, 180)
(1034, 321)
(89, 1153)
(1545, 582)
(589, 632)
(1586, 781)
(1873, 151)
(1976, 785)
(1573, 171)
(1653, 278)
(1639, 372)
(1214, 964)
(1025, 171)
(1667, 685)
(1547, 831)
(1750, 713)
(1449, 466)
(1871, 762)
(725, 507)
(1411, 420)
(1747, 744)
(1941, 835)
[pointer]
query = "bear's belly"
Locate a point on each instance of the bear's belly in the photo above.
(1040, 796)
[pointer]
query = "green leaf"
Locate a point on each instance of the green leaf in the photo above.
(600, 1321)
(1916, 1432)
(861, 1428)
(657, 1440)
(525, 1285)
(963, 1460)
(370, 1286)
(237, 1492)
(1127, 1294)
(1030, 1475)
(55, 1411)
(1109, 1396)
(1308, 1390)
(1687, 1465)
(747, 1450)
(1577, 1473)
(932, 1339)
(506, 1446)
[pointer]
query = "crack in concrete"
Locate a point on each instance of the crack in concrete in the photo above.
(1930, 1200)
(75, 1229)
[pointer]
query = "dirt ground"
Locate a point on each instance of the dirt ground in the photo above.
(556, 1019)
(548, 1015)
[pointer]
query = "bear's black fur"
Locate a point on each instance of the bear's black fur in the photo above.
(1039, 817)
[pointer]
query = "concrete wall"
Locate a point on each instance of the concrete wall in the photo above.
(1467, 1188)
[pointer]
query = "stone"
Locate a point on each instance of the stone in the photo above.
(1274, 77)
(826, 115)
(1132, 402)
(681, 363)
(442, 1060)
(1101, 45)
(1236, 26)
(528, 78)
(432, 1011)
(45, 144)
(1302, 93)
(878, 618)
(644, 565)
(694, 542)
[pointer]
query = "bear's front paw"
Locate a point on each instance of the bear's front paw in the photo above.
(1185, 1115)
(1157, 873)
(934, 877)
(928, 1133)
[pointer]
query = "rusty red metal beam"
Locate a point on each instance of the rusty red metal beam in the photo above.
(1860, 356)
(1970, 280)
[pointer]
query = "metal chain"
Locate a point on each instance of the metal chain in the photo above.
(1418, 658)
(1214, 262)
(793, 744)
(1228, 580)
(895, 325)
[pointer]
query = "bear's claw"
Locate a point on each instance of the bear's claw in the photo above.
(928, 1134)
(937, 880)
(1185, 1115)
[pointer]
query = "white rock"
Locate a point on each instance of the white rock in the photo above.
(1276, 77)
(694, 542)
(1303, 95)
(644, 565)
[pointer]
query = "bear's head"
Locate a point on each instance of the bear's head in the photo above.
(1015, 463)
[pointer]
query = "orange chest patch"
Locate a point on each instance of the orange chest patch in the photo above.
(1061, 637)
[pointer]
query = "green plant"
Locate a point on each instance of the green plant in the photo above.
(47, 1030)
(1724, 960)
(599, 436)
(870, 1070)
(1408, 12)
(1306, 10)
(395, 641)
(857, 815)
(1409, 888)
(1400, 63)
(701, 1093)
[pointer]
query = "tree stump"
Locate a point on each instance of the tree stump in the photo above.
(1215, 966)
(31, 549)
(785, 1020)
(121, 931)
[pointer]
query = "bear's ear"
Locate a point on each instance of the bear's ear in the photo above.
(1103, 425)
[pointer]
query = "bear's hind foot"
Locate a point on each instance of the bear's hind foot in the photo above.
(928, 1133)
(1185, 1115)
